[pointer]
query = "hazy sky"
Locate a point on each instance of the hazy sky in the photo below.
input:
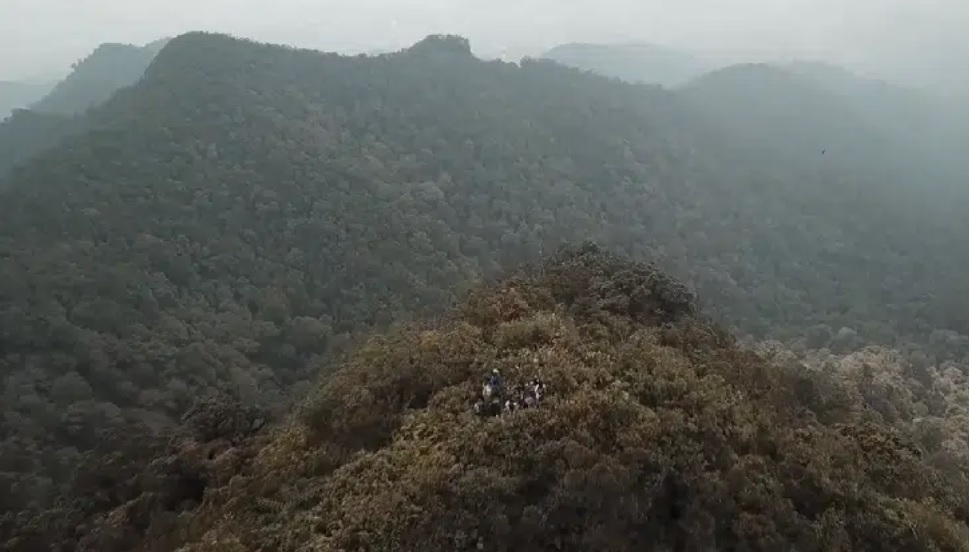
(39, 37)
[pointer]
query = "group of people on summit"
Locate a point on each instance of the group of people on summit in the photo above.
(496, 398)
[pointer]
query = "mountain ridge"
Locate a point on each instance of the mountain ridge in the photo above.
(635, 62)
(244, 212)
(93, 79)
(41, 123)
(656, 430)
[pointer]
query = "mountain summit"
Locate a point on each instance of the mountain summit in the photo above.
(441, 45)
(657, 431)
(634, 62)
(239, 218)
(95, 78)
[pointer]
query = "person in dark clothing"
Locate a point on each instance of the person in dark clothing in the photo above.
(496, 383)
(495, 398)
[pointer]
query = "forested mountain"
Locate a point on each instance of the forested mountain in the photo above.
(928, 131)
(656, 433)
(636, 62)
(95, 78)
(935, 126)
(773, 111)
(236, 217)
(18, 95)
(41, 121)
(26, 134)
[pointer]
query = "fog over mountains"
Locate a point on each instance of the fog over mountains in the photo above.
(561, 291)
(912, 43)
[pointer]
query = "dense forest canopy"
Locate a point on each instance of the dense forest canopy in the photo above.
(903, 139)
(234, 220)
(932, 127)
(657, 432)
(27, 133)
(925, 129)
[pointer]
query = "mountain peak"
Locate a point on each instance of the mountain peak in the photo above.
(442, 44)
(239, 220)
(94, 79)
(650, 425)
(631, 61)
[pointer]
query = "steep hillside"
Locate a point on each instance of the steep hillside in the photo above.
(18, 95)
(28, 133)
(794, 113)
(656, 433)
(934, 126)
(642, 63)
(43, 119)
(95, 78)
(44, 115)
(760, 103)
(243, 212)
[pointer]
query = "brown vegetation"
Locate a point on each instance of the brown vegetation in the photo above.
(241, 214)
(658, 433)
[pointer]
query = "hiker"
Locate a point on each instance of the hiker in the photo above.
(494, 386)
(537, 388)
(482, 408)
(495, 399)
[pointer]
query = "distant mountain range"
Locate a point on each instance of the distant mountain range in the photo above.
(634, 62)
(909, 122)
(40, 116)
(229, 217)
(100, 74)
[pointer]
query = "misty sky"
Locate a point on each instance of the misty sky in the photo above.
(43, 37)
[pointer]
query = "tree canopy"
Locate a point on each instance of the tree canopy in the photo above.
(237, 219)
(659, 432)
